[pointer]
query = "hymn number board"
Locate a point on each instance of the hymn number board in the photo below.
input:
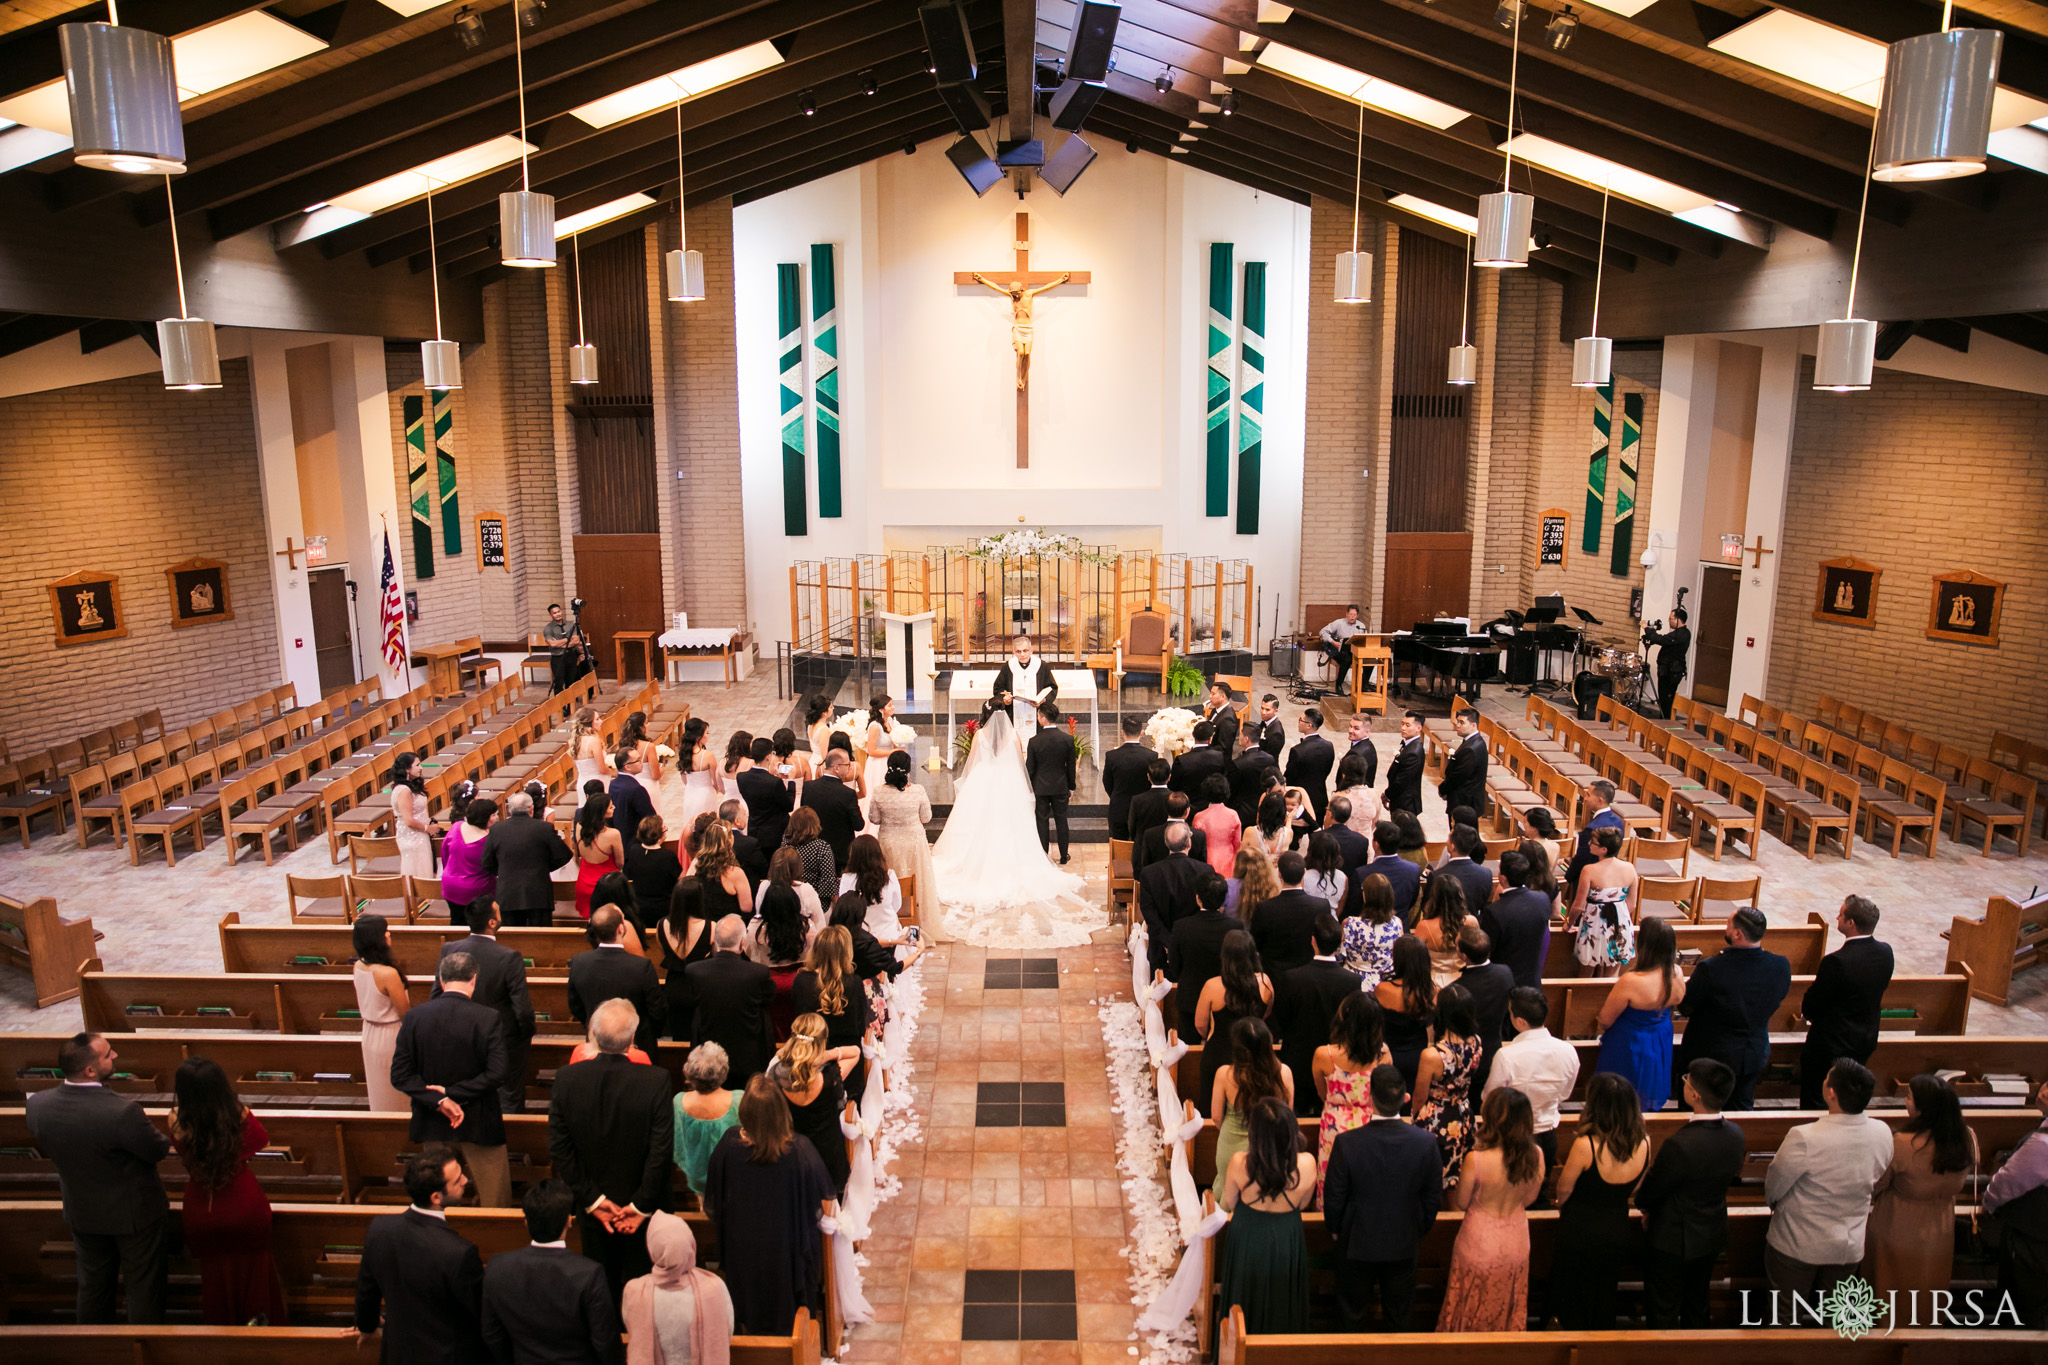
(490, 541)
(1554, 526)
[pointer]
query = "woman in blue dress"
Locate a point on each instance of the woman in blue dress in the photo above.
(1635, 1023)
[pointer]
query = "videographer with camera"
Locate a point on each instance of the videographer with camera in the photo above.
(1671, 648)
(569, 650)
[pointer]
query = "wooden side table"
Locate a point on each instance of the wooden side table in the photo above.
(644, 639)
(444, 669)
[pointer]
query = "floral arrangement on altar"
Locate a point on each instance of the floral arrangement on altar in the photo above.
(1025, 544)
(963, 743)
(1171, 732)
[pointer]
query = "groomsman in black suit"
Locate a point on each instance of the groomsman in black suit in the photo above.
(1148, 807)
(1380, 1198)
(501, 984)
(1049, 765)
(831, 796)
(1271, 730)
(1404, 774)
(450, 1058)
(766, 793)
(1123, 775)
(1358, 739)
(1842, 1005)
(1221, 712)
(1464, 781)
(1684, 1199)
(1207, 758)
(1308, 767)
(1248, 778)
(1729, 1003)
(543, 1303)
(732, 995)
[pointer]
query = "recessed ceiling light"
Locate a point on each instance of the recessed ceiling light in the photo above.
(411, 7)
(685, 83)
(603, 213)
(1627, 9)
(1356, 85)
(432, 175)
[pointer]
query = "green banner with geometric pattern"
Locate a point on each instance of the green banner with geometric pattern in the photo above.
(1251, 398)
(1222, 284)
(1596, 472)
(1625, 485)
(444, 464)
(825, 376)
(419, 485)
(789, 332)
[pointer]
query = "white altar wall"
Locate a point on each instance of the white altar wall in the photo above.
(928, 374)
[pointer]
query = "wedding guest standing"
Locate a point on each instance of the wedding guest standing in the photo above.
(420, 1282)
(732, 996)
(500, 984)
(705, 1109)
(1464, 781)
(900, 810)
(831, 798)
(1487, 1289)
(1254, 1074)
(1305, 1001)
(1370, 934)
(1222, 832)
(1284, 925)
(1843, 1003)
(1910, 1243)
(1354, 787)
(1544, 1067)
(1194, 954)
(610, 972)
(382, 999)
(1729, 1000)
(610, 1134)
(1342, 1070)
(653, 869)
(1404, 774)
(1684, 1200)
(829, 988)
(226, 1214)
(765, 788)
(450, 1059)
(1603, 915)
(521, 852)
(812, 1076)
(1635, 1019)
(763, 1191)
(1819, 1187)
(415, 831)
(463, 882)
(1407, 997)
(1605, 1164)
(542, 1303)
(106, 1152)
(1148, 804)
(820, 865)
(1123, 775)
(2017, 1198)
(1265, 1258)
(678, 1314)
(1381, 1193)
(1239, 990)
(1444, 1077)
(1518, 922)
(1310, 761)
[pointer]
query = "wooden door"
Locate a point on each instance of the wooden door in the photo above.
(619, 580)
(334, 649)
(1713, 633)
(1428, 572)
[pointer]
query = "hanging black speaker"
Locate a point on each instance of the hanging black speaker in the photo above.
(974, 165)
(1073, 102)
(1091, 40)
(947, 38)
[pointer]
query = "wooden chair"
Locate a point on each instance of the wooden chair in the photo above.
(474, 663)
(369, 856)
(1659, 857)
(1147, 645)
(1727, 891)
(386, 896)
(1681, 894)
(313, 900)
(151, 810)
(1123, 882)
(244, 816)
(1910, 800)
(2008, 804)
(430, 906)
(95, 798)
(538, 657)
(1735, 808)
(1829, 805)
(151, 724)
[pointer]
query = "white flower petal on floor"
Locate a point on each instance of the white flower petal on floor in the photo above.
(1155, 1226)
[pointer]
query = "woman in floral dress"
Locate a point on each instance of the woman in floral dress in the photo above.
(1343, 1074)
(1443, 1078)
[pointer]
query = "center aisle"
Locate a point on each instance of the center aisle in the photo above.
(1013, 1170)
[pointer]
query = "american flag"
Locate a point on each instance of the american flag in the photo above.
(391, 615)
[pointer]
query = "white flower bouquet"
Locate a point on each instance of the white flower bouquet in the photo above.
(854, 725)
(1171, 732)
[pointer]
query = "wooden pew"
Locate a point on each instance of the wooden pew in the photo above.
(309, 1003)
(257, 1064)
(1802, 945)
(315, 1247)
(416, 949)
(1899, 1057)
(50, 948)
(1939, 1004)
(1763, 1132)
(1747, 1346)
(2008, 937)
(299, 1345)
(343, 1158)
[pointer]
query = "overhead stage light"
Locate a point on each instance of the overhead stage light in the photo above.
(1131, 146)
(1354, 267)
(123, 97)
(1508, 13)
(583, 355)
(685, 267)
(1593, 356)
(440, 359)
(1848, 344)
(1163, 82)
(529, 12)
(868, 84)
(1227, 102)
(1562, 29)
(1463, 365)
(808, 100)
(1502, 237)
(469, 26)
(190, 351)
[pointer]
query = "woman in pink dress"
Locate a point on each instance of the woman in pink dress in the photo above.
(1488, 1286)
(1219, 824)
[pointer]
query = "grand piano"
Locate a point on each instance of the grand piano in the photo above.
(1452, 657)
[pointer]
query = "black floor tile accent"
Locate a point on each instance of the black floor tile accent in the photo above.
(1028, 1104)
(1013, 1305)
(1022, 973)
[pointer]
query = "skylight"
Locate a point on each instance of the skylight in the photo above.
(1356, 85)
(431, 175)
(1599, 172)
(411, 7)
(603, 213)
(1627, 9)
(699, 78)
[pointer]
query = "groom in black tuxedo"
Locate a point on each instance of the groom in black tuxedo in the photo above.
(1049, 765)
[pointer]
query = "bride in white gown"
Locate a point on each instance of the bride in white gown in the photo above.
(999, 888)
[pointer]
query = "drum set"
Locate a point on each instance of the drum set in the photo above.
(1620, 667)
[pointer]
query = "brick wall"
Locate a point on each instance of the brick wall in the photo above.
(499, 412)
(1919, 476)
(128, 478)
(697, 390)
(1345, 427)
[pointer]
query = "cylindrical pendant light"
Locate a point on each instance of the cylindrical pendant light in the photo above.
(1593, 356)
(685, 267)
(526, 221)
(190, 351)
(123, 90)
(1354, 267)
(1464, 358)
(1505, 217)
(440, 360)
(583, 355)
(1847, 353)
(1935, 122)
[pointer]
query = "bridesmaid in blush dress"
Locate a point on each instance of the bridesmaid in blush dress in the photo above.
(225, 1213)
(1910, 1243)
(415, 832)
(382, 1000)
(1487, 1289)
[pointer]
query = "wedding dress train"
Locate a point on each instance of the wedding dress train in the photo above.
(999, 889)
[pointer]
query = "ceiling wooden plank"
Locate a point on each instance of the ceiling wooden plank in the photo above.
(31, 57)
(2022, 60)
(1020, 49)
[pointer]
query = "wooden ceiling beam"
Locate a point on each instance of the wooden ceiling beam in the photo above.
(31, 57)
(2022, 60)
(1020, 58)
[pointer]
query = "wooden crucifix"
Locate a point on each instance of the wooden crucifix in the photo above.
(1759, 551)
(1021, 285)
(290, 553)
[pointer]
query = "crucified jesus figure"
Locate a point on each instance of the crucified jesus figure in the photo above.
(1020, 317)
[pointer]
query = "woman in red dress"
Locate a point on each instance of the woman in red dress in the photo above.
(226, 1215)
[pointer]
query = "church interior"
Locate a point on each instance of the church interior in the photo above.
(963, 354)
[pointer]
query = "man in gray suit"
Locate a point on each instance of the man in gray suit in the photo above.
(106, 1152)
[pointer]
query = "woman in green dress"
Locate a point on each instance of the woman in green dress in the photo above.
(1253, 1073)
(704, 1110)
(1265, 1259)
